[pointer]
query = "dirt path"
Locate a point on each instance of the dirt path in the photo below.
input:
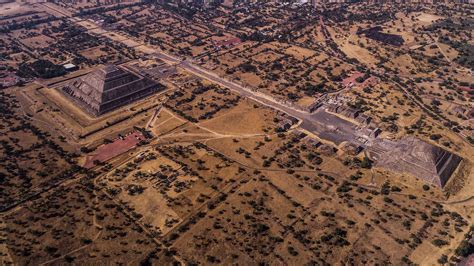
(153, 117)
(442, 52)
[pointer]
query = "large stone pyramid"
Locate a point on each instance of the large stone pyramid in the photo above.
(108, 88)
(416, 157)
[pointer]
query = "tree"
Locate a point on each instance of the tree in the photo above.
(464, 249)
(439, 242)
(443, 259)
(366, 163)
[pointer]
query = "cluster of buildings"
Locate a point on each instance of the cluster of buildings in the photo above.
(350, 112)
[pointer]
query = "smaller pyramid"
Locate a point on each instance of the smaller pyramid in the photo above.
(109, 88)
(416, 157)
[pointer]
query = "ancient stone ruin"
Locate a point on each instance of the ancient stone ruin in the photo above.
(108, 88)
(416, 157)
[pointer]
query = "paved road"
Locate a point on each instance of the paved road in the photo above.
(325, 125)
(322, 123)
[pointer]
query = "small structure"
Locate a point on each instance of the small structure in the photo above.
(364, 132)
(375, 133)
(370, 82)
(284, 125)
(350, 112)
(314, 106)
(286, 122)
(8, 80)
(351, 80)
(352, 148)
(333, 108)
(227, 43)
(327, 149)
(464, 111)
(470, 113)
(70, 67)
(363, 119)
(312, 142)
(466, 89)
(299, 135)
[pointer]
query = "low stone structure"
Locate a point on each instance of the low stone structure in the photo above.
(286, 122)
(352, 148)
(109, 88)
(312, 142)
(327, 149)
(363, 119)
(375, 133)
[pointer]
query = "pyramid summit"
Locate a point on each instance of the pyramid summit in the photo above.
(108, 88)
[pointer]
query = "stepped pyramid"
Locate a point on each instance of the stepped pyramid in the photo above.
(108, 88)
(416, 157)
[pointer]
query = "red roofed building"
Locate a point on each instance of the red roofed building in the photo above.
(8, 80)
(108, 151)
(227, 43)
(465, 88)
